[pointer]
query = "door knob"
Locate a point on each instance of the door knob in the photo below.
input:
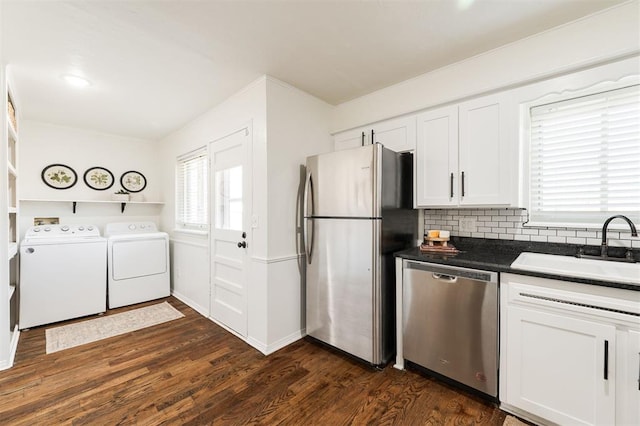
(242, 244)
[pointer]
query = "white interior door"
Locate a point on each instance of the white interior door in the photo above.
(229, 230)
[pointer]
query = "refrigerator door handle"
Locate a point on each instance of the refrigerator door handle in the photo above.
(308, 194)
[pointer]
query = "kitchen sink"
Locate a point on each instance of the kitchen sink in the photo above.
(568, 266)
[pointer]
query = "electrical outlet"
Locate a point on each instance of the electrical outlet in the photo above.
(467, 224)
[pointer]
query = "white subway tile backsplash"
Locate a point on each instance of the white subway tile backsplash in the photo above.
(501, 223)
(553, 239)
(539, 238)
(576, 240)
(586, 234)
(566, 233)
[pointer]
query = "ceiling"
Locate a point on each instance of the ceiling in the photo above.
(155, 65)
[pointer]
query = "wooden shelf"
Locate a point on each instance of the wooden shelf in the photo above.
(74, 202)
(12, 132)
(13, 249)
(11, 169)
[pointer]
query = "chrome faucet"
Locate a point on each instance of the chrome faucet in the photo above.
(603, 247)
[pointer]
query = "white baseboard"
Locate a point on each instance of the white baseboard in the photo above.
(200, 309)
(269, 349)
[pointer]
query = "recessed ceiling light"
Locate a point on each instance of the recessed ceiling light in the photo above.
(76, 81)
(464, 4)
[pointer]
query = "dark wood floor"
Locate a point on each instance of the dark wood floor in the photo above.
(190, 371)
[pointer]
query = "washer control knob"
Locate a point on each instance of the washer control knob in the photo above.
(132, 227)
(64, 228)
(80, 228)
(47, 229)
(36, 229)
(89, 228)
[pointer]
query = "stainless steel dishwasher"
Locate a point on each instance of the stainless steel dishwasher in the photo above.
(450, 323)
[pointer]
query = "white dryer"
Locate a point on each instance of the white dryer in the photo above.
(62, 274)
(138, 263)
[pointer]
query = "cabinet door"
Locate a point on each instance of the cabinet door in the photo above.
(436, 158)
(351, 139)
(556, 367)
(485, 154)
(398, 135)
(628, 391)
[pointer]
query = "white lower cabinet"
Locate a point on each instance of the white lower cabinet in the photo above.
(569, 352)
(560, 362)
(628, 390)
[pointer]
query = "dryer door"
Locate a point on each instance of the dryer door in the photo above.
(138, 258)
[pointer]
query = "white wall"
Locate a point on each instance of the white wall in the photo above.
(42, 144)
(603, 36)
(297, 127)
(191, 252)
(287, 125)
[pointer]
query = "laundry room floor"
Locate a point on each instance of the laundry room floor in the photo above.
(191, 371)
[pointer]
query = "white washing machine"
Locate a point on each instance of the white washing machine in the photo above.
(63, 274)
(138, 263)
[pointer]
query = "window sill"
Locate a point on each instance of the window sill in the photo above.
(191, 232)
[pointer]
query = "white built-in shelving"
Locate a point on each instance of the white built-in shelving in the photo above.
(9, 333)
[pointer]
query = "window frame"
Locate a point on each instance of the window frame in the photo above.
(581, 222)
(181, 225)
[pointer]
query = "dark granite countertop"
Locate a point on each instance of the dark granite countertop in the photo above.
(498, 255)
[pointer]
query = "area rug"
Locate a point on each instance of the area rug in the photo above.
(512, 421)
(69, 336)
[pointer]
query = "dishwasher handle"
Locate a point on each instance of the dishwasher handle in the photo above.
(452, 271)
(443, 277)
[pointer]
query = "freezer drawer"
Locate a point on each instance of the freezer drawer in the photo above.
(450, 323)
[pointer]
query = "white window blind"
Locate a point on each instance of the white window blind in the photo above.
(191, 191)
(585, 158)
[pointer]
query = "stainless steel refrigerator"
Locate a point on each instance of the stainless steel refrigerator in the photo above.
(358, 211)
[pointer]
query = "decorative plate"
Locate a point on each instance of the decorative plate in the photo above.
(133, 181)
(98, 178)
(59, 176)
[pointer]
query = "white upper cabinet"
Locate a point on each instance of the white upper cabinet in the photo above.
(398, 134)
(465, 154)
(351, 139)
(436, 158)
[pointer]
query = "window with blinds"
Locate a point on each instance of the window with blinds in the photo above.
(191, 191)
(585, 158)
